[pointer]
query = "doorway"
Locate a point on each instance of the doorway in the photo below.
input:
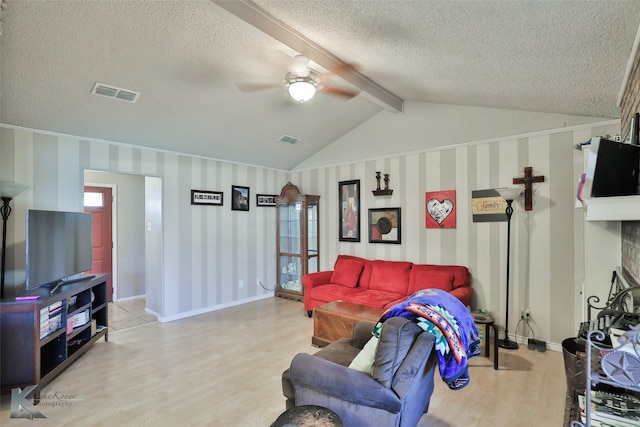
(137, 236)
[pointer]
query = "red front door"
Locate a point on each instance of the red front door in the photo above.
(101, 233)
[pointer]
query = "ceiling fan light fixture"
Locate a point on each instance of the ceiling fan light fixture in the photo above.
(302, 88)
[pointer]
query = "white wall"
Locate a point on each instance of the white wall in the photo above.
(425, 126)
(154, 267)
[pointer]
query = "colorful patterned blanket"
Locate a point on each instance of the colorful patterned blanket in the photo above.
(443, 315)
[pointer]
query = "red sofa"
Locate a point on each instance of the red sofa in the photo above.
(381, 284)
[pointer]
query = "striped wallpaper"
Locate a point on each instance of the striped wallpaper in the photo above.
(206, 251)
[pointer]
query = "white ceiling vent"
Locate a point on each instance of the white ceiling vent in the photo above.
(289, 139)
(115, 93)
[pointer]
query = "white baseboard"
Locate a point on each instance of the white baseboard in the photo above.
(165, 319)
(143, 296)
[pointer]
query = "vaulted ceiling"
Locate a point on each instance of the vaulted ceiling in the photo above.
(193, 63)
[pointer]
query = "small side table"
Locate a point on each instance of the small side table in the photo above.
(486, 319)
(308, 416)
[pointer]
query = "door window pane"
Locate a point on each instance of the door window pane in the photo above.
(93, 199)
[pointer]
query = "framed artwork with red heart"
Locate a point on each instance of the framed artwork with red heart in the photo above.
(441, 209)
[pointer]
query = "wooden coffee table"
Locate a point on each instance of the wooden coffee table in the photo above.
(336, 320)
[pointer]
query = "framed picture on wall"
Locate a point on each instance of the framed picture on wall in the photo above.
(385, 225)
(209, 198)
(349, 210)
(440, 209)
(239, 198)
(266, 199)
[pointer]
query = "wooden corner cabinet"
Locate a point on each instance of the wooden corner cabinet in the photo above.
(41, 338)
(298, 240)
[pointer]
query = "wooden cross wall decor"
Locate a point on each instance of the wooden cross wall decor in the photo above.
(527, 180)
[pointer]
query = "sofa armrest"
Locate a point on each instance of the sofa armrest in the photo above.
(313, 375)
(311, 280)
(362, 333)
(464, 294)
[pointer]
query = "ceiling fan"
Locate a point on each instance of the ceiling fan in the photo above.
(302, 82)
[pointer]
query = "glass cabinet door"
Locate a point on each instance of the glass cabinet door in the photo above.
(290, 273)
(298, 240)
(289, 228)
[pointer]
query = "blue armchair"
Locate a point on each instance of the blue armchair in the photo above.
(396, 393)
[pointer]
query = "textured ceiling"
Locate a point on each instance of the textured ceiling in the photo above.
(187, 58)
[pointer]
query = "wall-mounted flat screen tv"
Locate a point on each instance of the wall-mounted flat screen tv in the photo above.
(612, 169)
(58, 246)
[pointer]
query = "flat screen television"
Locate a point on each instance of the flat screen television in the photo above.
(612, 169)
(58, 247)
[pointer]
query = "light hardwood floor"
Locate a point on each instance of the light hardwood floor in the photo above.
(223, 369)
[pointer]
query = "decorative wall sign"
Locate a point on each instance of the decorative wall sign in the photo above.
(266, 199)
(349, 206)
(441, 209)
(239, 198)
(385, 225)
(211, 198)
(488, 206)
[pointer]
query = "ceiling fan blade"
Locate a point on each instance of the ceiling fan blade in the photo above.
(341, 70)
(347, 93)
(254, 87)
(344, 68)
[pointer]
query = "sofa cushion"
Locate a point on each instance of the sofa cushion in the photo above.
(365, 276)
(331, 292)
(391, 276)
(396, 338)
(347, 272)
(427, 276)
(374, 298)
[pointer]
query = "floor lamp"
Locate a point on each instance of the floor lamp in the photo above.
(508, 194)
(7, 192)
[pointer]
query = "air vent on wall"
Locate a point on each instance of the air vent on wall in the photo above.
(289, 139)
(115, 93)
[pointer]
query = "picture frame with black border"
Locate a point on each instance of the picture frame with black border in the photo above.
(207, 198)
(240, 198)
(349, 211)
(385, 225)
(265, 200)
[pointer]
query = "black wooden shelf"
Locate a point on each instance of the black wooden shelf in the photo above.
(26, 359)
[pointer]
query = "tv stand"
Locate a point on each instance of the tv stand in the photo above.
(36, 344)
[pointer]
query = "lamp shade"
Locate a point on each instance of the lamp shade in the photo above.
(302, 90)
(11, 189)
(509, 193)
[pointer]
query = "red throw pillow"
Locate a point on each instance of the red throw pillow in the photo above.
(346, 272)
(390, 276)
(423, 277)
